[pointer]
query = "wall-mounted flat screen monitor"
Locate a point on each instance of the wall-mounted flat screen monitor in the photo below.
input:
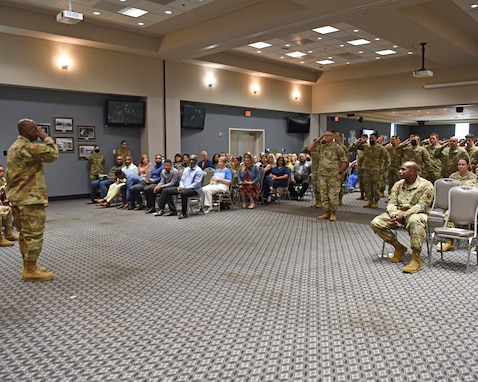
(298, 125)
(192, 116)
(368, 132)
(127, 113)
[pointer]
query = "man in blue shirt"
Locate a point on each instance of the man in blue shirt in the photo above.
(205, 162)
(154, 178)
(189, 185)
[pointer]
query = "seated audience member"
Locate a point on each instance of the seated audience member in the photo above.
(215, 160)
(96, 163)
(220, 181)
(105, 182)
(408, 205)
(114, 190)
(280, 174)
(150, 184)
(262, 162)
(135, 185)
(205, 162)
(123, 151)
(300, 177)
(178, 162)
(129, 165)
(236, 164)
(466, 178)
(144, 166)
(169, 178)
(7, 239)
(249, 181)
(267, 186)
(189, 185)
(185, 160)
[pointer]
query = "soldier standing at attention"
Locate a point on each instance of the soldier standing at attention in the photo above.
(313, 150)
(407, 207)
(96, 163)
(332, 164)
(123, 150)
(449, 154)
(27, 193)
(375, 164)
(395, 161)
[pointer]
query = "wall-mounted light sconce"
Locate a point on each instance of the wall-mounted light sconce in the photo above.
(296, 95)
(255, 89)
(65, 63)
(210, 80)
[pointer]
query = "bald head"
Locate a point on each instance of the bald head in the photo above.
(408, 171)
(28, 128)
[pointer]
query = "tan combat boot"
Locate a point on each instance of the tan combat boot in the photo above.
(324, 216)
(340, 201)
(415, 265)
(400, 250)
(32, 273)
(447, 246)
(317, 204)
(361, 197)
(9, 235)
(332, 216)
(4, 242)
(374, 204)
(368, 205)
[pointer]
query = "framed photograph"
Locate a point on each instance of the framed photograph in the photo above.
(45, 127)
(84, 151)
(64, 124)
(65, 144)
(86, 133)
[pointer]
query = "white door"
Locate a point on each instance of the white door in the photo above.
(242, 141)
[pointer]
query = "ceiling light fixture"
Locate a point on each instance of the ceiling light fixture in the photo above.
(132, 12)
(295, 54)
(360, 41)
(168, 12)
(260, 45)
(325, 62)
(385, 52)
(325, 30)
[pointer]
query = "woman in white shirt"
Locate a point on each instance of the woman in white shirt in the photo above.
(220, 181)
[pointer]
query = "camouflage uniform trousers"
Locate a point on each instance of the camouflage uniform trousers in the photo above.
(393, 177)
(415, 225)
(361, 181)
(329, 192)
(30, 223)
(372, 181)
(315, 180)
(6, 214)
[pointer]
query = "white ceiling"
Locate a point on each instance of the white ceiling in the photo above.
(217, 32)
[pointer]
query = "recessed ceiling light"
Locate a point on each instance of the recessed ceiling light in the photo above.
(295, 54)
(356, 30)
(325, 30)
(410, 52)
(360, 51)
(319, 38)
(325, 62)
(474, 6)
(96, 13)
(341, 45)
(287, 45)
(259, 51)
(395, 46)
(260, 45)
(141, 23)
(348, 62)
(133, 12)
(360, 41)
(168, 12)
(386, 52)
(377, 38)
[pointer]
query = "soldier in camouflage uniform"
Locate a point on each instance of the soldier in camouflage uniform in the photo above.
(407, 207)
(375, 164)
(313, 151)
(96, 163)
(26, 190)
(450, 156)
(434, 166)
(470, 147)
(360, 172)
(395, 161)
(338, 140)
(332, 164)
(123, 151)
(412, 152)
(8, 239)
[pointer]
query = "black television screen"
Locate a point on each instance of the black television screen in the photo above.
(193, 116)
(128, 113)
(298, 125)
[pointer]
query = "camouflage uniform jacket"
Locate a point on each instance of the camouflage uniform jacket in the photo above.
(417, 154)
(449, 159)
(331, 157)
(395, 157)
(472, 152)
(408, 199)
(376, 157)
(25, 173)
(124, 153)
(96, 162)
(469, 179)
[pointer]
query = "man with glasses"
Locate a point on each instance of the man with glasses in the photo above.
(449, 154)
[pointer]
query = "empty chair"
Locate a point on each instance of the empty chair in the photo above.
(462, 211)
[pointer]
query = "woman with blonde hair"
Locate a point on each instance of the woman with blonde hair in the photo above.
(249, 181)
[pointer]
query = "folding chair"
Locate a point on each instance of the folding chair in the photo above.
(283, 192)
(462, 211)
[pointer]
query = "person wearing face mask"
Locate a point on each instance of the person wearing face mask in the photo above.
(411, 151)
(375, 164)
(96, 163)
(449, 154)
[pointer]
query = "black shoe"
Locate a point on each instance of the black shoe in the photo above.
(119, 206)
(130, 208)
(172, 213)
(140, 208)
(159, 213)
(150, 211)
(182, 216)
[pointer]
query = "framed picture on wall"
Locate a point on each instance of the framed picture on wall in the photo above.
(65, 144)
(84, 151)
(86, 133)
(64, 124)
(45, 127)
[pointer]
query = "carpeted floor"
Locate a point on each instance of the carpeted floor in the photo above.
(270, 294)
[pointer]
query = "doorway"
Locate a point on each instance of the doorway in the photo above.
(244, 140)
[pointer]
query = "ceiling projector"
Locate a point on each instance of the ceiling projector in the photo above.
(422, 73)
(69, 17)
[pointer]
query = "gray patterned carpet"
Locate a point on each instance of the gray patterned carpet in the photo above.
(270, 294)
